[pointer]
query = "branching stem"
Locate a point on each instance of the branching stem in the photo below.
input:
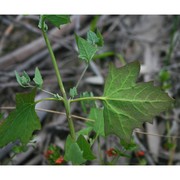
(60, 83)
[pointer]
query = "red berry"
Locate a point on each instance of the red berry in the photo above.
(111, 152)
(59, 160)
(140, 154)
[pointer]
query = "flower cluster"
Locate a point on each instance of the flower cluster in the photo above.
(53, 155)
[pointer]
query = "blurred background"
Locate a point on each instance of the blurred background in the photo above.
(152, 40)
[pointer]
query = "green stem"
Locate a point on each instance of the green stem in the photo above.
(87, 98)
(168, 127)
(122, 60)
(85, 69)
(103, 55)
(60, 83)
(52, 94)
(59, 79)
(48, 99)
(172, 152)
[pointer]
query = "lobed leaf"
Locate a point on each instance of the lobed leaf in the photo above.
(127, 104)
(86, 49)
(21, 122)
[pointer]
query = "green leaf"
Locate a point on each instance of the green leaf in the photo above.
(23, 80)
(85, 147)
(92, 37)
(57, 20)
(21, 122)
(127, 104)
(38, 78)
(73, 152)
(98, 125)
(73, 92)
(100, 37)
(86, 49)
(84, 131)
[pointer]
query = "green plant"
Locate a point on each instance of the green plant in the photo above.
(126, 105)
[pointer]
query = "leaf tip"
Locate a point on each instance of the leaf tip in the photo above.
(136, 64)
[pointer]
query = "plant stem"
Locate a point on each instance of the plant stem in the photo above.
(52, 94)
(62, 113)
(172, 152)
(52, 111)
(85, 69)
(54, 64)
(31, 86)
(60, 83)
(47, 99)
(103, 55)
(122, 60)
(87, 98)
